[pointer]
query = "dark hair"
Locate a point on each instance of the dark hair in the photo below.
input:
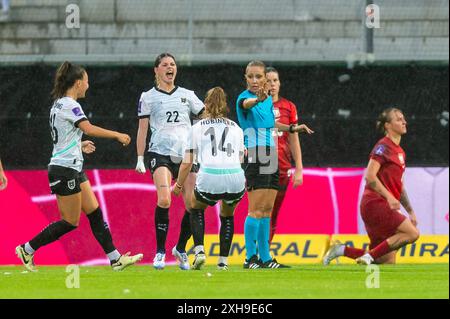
(385, 117)
(162, 56)
(256, 63)
(65, 78)
(271, 69)
(216, 103)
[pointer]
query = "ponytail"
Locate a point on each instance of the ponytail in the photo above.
(65, 78)
(215, 103)
(385, 117)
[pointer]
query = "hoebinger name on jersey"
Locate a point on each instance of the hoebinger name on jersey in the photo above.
(217, 121)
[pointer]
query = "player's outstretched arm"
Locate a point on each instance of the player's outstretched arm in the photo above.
(95, 131)
(140, 144)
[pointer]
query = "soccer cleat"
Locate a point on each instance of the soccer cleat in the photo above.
(159, 262)
(365, 260)
(273, 264)
(332, 253)
(222, 266)
(253, 263)
(27, 259)
(125, 260)
(199, 261)
(182, 259)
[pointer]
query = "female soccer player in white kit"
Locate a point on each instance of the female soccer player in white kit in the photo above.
(65, 171)
(167, 108)
(218, 144)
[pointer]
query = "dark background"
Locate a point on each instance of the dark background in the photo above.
(111, 102)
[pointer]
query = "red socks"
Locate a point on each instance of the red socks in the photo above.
(353, 253)
(381, 250)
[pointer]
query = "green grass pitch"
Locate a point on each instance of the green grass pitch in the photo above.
(309, 281)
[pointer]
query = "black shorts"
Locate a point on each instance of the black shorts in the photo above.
(262, 172)
(65, 181)
(172, 163)
(212, 199)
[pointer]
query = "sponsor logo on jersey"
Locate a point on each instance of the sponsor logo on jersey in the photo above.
(55, 183)
(77, 111)
(153, 162)
(71, 184)
(379, 150)
(183, 100)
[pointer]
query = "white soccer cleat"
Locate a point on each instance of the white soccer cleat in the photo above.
(27, 259)
(159, 262)
(199, 261)
(365, 260)
(126, 260)
(333, 252)
(222, 266)
(182, 259)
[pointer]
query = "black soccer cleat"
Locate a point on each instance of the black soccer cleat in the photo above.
(273, 264)
(253, 263)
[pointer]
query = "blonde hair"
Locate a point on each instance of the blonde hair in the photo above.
(215, 103)
(256, 63)
(385, 117)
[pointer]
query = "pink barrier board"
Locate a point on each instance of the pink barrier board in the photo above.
(327, 203)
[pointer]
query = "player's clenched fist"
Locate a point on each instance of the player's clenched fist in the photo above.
(124, 139)
(140, 167)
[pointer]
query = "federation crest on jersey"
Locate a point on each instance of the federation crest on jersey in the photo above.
(379, 150)
(401, 158)
(71, 184)
(77, 111)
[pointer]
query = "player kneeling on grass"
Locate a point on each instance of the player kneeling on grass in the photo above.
(388, 229)
(65, 171)
(218, 144)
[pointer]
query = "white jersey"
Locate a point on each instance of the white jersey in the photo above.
(218, 144)
(169, 118)
(65, 115)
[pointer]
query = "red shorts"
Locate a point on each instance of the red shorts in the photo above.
(380, 220)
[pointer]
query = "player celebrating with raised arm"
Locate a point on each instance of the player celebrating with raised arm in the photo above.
(167, 108)
(218, 144)
(65, 171)
(288, 143)
(3, 179)
(388, 229)
(254, 108)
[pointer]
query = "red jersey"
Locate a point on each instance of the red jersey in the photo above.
(285, 113)
(392, 160)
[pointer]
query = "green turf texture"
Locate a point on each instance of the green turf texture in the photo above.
(309, 281)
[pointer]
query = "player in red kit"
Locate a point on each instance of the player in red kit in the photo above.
(387, 227)
(288, 143)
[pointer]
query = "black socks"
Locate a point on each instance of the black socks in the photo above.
(51, 233)
(162, 227)
(101, 231)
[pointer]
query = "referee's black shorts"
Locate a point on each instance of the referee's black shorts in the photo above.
(261, 168)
